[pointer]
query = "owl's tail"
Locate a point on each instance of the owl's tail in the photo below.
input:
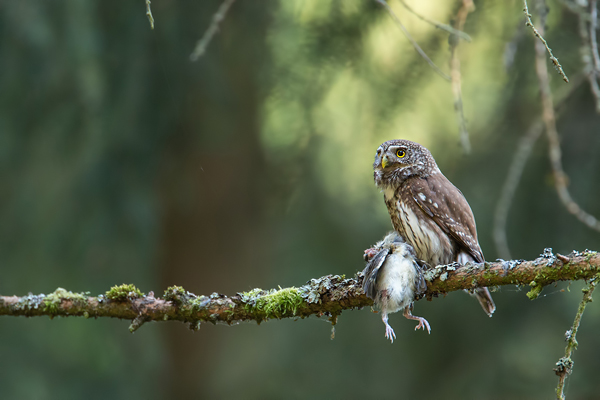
(485, 299)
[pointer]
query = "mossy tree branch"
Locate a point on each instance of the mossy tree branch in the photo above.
(328, 295)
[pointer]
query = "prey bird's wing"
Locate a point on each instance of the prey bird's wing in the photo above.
(371, 271)
(446, 205)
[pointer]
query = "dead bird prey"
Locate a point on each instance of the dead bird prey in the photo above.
(392, 278)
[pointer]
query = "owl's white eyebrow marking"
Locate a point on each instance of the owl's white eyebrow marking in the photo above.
(422, 196)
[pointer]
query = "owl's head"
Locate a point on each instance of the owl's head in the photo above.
(397, 160)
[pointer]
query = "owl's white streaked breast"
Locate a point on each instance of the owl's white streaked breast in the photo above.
(419, 233)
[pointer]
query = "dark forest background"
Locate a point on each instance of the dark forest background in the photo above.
(123, 162)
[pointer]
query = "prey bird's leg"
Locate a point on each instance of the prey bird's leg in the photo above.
(422, 321)
(389, 332)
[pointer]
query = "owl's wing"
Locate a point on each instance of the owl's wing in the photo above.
(446, 205)
(371, 271)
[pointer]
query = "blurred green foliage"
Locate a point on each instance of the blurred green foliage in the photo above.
(121, 161)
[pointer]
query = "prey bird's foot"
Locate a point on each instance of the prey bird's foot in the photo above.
(389, 333)
(423, 324)
(370, 253)
(422, 321)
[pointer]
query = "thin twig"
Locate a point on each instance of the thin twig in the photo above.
(515, 172)
(437, 24)
(564, 366)
(582, 12)
(217, 18)
(461, 18)
(593, 29)
(385, 5)
(594, 73)
(540, 36)
(560, 177)
(510, 49)
(149, 14)
(511, 183)
(587, 52)
(577, 9)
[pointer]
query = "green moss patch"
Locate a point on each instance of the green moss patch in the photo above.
(124, 292)
(273, 304)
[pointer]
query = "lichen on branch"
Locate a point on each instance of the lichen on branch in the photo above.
(326, 296)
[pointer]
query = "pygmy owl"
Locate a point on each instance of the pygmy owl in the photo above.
(428, 211)
(392, 278)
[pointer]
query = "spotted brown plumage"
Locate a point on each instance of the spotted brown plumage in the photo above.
(426, 209)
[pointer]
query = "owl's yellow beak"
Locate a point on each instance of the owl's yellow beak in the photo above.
(385, 161)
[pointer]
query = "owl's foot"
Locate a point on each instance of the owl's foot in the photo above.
(422, 321)
(389, 332)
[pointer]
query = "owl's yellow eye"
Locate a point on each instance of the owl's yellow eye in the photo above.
(400, 153)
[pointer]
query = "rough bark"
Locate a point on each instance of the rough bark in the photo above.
(328, 295)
